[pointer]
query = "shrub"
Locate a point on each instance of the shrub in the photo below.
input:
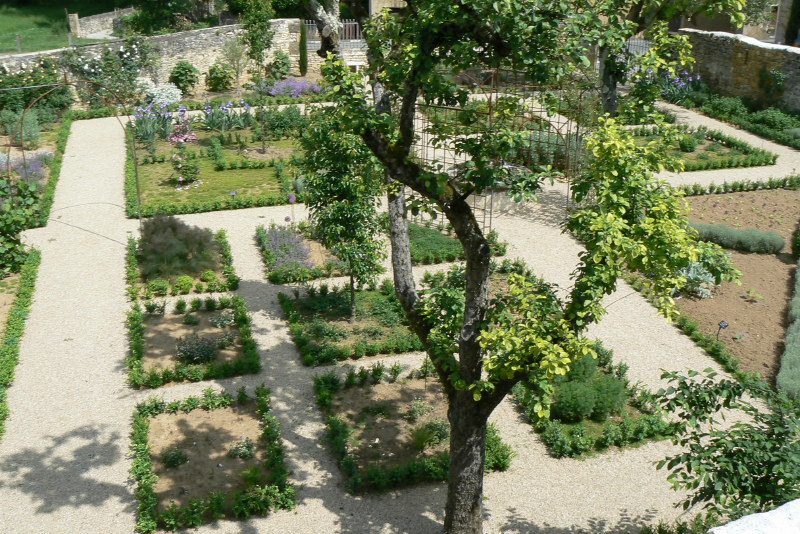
(280, 67)
(224, 319)
(573, 401)
(171, 247)
(173, 457)
(582, 369)
(788, 379)
(242, 449)
(416, 410)
(220, 77)
(687, 143)
(22, 128)
(610, 395)
(498, 453)
(746, 240)
(184, 75)
(196, 349)
(796, 244)
(430, 434)
(183, 285)
(159, 287)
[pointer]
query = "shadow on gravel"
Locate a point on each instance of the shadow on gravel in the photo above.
(550, 209)
(626, 523)
(58, 472)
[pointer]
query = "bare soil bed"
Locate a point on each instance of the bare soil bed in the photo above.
(380, 415)
(205, 437)
(756, 310)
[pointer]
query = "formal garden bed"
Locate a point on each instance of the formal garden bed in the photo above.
(756, 310)
(773, 123)
(200, 339)
(388, 432)
(702, 149)
(290, 253)
(593, 407)
(223, 159)
(206, 458)
(173, 258)
(324, 330)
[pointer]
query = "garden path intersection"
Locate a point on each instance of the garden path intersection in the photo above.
(64, 457)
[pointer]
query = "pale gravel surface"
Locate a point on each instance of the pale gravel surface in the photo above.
(64, 455)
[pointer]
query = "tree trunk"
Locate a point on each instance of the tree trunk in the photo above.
(326, 15)
(464, 509)
(608, 82)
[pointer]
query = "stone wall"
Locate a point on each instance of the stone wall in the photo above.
(733, 65)
(103, 22)
(202, 48)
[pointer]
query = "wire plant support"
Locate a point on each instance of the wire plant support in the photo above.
(550, 119)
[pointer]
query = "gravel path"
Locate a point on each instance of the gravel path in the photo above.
(64, 455)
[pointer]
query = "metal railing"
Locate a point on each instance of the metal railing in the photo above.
(350, 34)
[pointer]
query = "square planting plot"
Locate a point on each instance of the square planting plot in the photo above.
(430, 245)
(220, 278)
(387, 433)
(703, 149)
(592, 408)
(233, 162)
(211, 339)
(321, 324)
(290, 256)
(207, 458)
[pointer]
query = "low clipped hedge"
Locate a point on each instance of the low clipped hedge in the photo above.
(15, 327)
(377, 477)
(789, 182)
(744, 240)
(788, 378)
(750, 156)
(248, 363)
(255, 500)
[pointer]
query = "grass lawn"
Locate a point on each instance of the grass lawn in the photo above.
(157, 187)
(215, 186)
(42, 27)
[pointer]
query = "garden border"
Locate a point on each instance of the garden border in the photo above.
(259, 500)
(15, 328)
(248, 363)
(376, 477)
(133, 278)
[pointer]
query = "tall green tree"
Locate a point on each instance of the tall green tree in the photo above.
(482, 345)
(256, 17)
(343, 181)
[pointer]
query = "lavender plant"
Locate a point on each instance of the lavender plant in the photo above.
(294, 87)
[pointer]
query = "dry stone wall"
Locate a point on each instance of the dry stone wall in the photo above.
(101, 23)
(734, 64)
(202, 48)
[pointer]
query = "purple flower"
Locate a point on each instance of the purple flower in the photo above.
(287, 219)
(292, 198)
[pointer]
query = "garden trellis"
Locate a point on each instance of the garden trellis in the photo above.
(502, 100)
